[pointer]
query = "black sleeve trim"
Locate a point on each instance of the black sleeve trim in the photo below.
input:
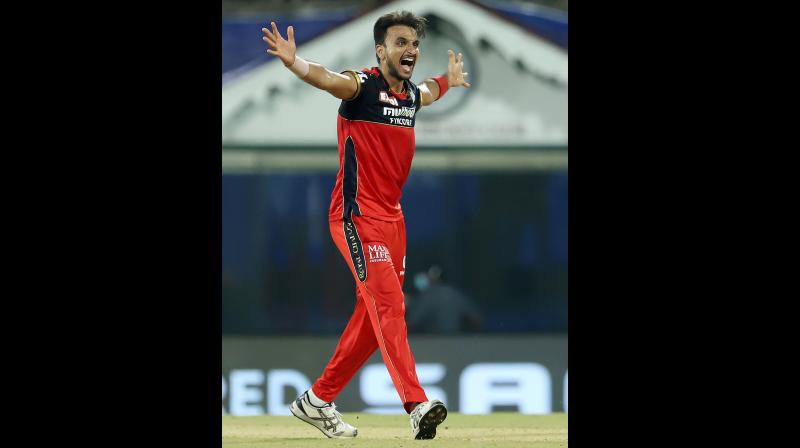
(358, 83)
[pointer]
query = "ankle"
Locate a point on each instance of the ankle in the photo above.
(315, 400)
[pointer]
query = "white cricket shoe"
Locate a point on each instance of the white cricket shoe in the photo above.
(426, 417)
(327, 419)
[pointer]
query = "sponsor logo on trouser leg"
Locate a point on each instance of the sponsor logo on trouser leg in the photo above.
(378, 252)
(356, 249)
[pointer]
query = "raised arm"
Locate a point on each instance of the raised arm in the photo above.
(343, 86)
(434, 88)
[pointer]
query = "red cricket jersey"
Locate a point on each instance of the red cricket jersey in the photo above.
(376, 145)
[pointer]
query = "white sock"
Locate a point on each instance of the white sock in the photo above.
(315, 400)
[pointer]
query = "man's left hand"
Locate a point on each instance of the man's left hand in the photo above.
(455, 71)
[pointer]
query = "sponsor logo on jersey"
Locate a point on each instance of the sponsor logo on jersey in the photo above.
(399, 112)
(395, 115)
(384, 97)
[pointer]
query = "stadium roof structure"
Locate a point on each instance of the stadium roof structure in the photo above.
(518, 98)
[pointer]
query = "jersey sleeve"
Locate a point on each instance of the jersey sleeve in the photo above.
(417, 96)
(362, 77)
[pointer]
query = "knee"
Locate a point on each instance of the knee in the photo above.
(394, 310)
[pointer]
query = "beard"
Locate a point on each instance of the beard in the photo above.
(395, 72)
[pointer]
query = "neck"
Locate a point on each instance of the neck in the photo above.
(394, 83)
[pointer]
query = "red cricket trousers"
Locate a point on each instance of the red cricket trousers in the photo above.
(375, 252)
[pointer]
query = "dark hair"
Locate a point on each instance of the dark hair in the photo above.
(406, 18)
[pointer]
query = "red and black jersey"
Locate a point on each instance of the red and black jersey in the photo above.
(376, 144)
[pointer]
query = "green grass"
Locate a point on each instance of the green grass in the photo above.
(498, 430)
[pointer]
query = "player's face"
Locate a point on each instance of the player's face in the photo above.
(400, 51)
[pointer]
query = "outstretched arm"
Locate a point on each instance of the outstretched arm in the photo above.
(343, 86)
(433, 88)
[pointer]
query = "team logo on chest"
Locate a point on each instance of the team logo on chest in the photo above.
(384, 97)
(377, 252)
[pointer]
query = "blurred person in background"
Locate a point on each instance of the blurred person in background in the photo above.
(376, 143)
(440, 308)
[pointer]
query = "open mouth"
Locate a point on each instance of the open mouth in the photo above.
(407, 64)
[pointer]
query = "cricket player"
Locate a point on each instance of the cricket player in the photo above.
(376, 144)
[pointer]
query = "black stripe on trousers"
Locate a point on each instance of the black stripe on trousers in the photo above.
(356, 249)
(350, 180)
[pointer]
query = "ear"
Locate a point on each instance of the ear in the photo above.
(381, 51)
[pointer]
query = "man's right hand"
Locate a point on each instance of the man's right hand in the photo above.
(278, 46)
(342, 86)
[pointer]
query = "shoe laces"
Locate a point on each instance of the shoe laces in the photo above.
(416, 414)
(332, 415)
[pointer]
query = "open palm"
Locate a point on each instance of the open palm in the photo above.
(278, 46)
(455, 70)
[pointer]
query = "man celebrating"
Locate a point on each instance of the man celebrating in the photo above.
(376, 144)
